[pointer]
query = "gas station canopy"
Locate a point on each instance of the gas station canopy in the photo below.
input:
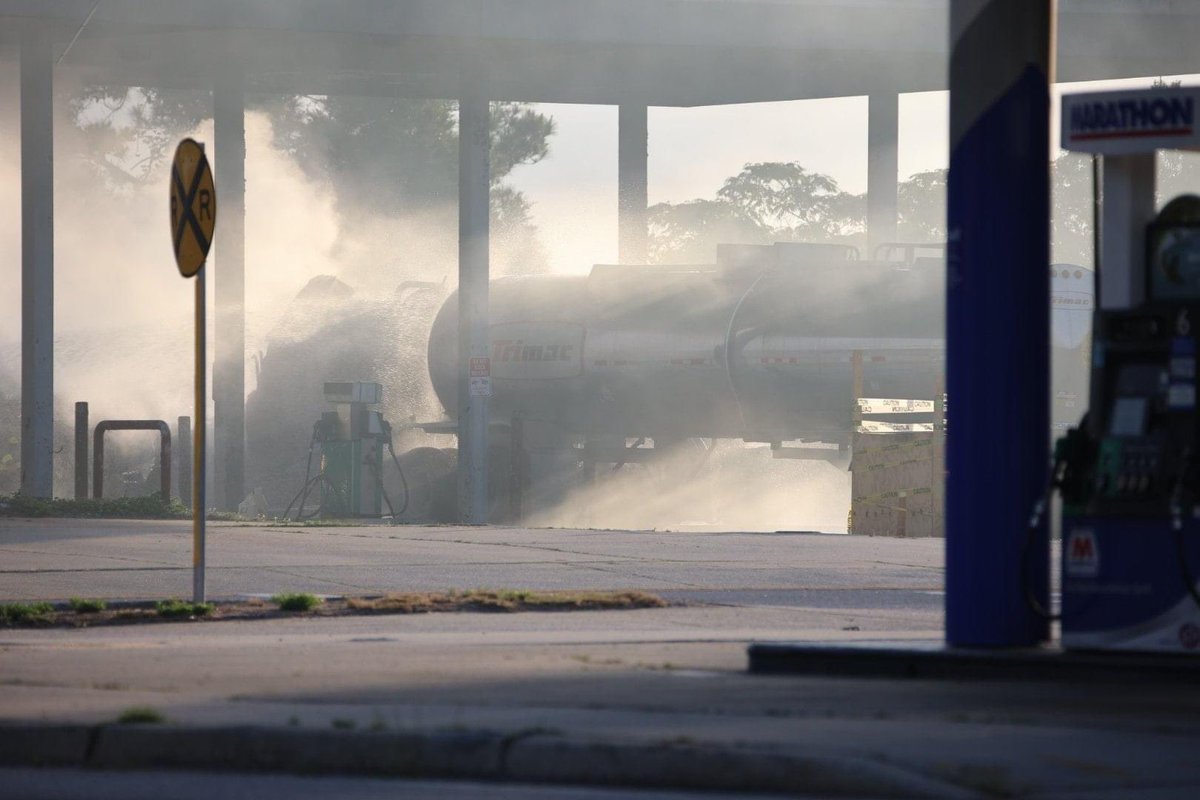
(649, 52)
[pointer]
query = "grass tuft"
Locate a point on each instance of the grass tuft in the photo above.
(296, 601)
(175, 607)
(141, 715)
(82, 605)
(25, 612)
(503, 600)
(149, 507)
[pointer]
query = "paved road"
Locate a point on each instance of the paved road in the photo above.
(72, 784)
(651, 679)
(56, 559)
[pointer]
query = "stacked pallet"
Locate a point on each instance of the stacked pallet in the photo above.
(897, 469)
(896, 484)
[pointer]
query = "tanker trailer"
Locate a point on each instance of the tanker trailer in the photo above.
(1072, 297)
(760, 346)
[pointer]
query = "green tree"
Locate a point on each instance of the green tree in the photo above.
(125, 134)
(1071, 209)
(921, 207)
(383, 156)
(765, 202)
(398, 154)
(794, 202)
(688, 233)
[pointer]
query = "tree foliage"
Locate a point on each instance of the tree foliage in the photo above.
(791, 201)
(400, 155)
(383, 156)
(127, 133)
(769, 202)
(1071, 209)
(921, 207)
(681, 233)
(765, 202)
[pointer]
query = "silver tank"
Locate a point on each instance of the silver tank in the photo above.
(760, 346)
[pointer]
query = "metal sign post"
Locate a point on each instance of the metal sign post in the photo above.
(193, 219)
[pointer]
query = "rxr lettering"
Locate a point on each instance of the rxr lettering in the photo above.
(515, 350)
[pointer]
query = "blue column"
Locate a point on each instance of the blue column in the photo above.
(997, 319)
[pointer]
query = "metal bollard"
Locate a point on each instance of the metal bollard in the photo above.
(183, 435)
(81, 451)
(516, 467)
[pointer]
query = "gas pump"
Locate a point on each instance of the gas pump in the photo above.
(352, 449)
(1130, 473)
(350, 439)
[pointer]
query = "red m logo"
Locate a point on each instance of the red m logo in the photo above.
(1083, 548)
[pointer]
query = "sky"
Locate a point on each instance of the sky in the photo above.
(693, 150)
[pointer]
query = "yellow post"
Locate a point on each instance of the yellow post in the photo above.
(856, 363)
(198, 444)
(193, 210)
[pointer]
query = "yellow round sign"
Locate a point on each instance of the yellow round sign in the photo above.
(193, 207)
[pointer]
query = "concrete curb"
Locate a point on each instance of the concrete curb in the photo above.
(544, 759)
(943, 663)
(532, 757)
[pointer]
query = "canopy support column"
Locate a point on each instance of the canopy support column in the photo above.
(474, 181)
(882, 165)
(632, 139)
(37, 263)
(229, 367)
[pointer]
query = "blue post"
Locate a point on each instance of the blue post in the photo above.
(997, 319)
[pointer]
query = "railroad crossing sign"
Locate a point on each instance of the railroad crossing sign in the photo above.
(193, 218)
(193, 207)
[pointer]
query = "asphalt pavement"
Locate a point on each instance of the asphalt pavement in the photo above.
(651, 699)
(56, 559)
(77, 784)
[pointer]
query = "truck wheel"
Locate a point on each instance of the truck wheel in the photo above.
(427, 470)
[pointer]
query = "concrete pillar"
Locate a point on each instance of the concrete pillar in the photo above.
(37, 264)
(998, 321)
(229, 245)
(632, 137)
(882, 143)
(473, 243)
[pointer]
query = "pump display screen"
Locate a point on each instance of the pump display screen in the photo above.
(1128, 417)
(1137, 383)
(1173, 263)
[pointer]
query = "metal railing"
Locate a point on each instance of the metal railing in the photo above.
(164, 457)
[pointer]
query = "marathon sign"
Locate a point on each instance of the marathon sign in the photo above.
(1125, 123)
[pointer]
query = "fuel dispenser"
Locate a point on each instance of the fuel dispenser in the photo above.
(350, 440)
(352, 449)
(1130, 473)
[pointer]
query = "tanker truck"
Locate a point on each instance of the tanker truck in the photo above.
(627, 362)
(757, 346)
(769, 344)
